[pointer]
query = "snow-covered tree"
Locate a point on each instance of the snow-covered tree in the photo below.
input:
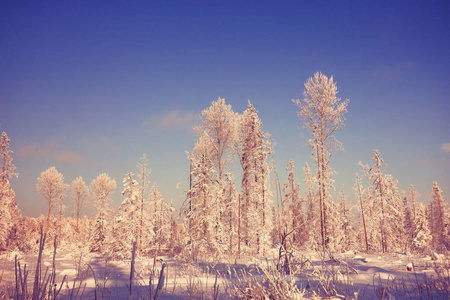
(101, 188)
(384, 208)
(292, 216)
(312, 229)
(438, 217)
(219, 122)
(256, 198)
(162, 218)
(144, 173)
(230, 216)
(359, 191)
(199, 208)
(10, 214)
(126, 224)
(51, 185)
(323, 113)
(421, 236)
(79, 192)
(408, 222)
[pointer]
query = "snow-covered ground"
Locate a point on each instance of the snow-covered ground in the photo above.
(350, 274)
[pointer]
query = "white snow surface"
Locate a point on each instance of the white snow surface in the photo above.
(356, 275)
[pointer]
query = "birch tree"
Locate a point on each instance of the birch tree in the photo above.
(219, 123)
(101, 189)
(323, 114)
(79, 192)
(51, 186)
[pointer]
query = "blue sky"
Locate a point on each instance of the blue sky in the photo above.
(89, 86)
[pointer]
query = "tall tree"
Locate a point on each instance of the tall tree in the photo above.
(199, 209)
(126, 223)
(219, 123)
(144, 174)
(79, 192)
(10, 214)
(438, 218)
(162, 217)
(51, 185)
(257, 202)
(323, 113)
(360, 196)
(101, 188)
(312, 226)
(291, 207)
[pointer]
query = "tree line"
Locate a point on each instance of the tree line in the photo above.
(235, 204)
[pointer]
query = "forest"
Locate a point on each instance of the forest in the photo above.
(236, 209)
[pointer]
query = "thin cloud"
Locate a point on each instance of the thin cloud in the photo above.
(172, 120)
(49, 151)
(445, 147)
(98, 143)
(393, 72)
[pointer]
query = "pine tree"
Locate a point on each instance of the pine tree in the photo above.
(230, 215)
(199, 210)
(51, 185)
(10, 214)
(256, 198)
(323, 113)
(438, 220)
(101, 188)
(291, 207)
(162, 217)
(144, 173)
(421, 236)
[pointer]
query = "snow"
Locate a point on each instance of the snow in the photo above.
(365, 274)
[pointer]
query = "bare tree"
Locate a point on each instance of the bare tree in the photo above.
(323, 113)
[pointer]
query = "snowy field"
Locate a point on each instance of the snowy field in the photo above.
(347, 276)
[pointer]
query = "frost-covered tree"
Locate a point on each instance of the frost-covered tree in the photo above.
(408, 222)
(230, 216)
(8, 166)
(359, 191)
(10, 214)
(200, 209)
(212, 157)
(219, 122)
(79, 192)
(256, 198)
(144, 174)
(101, 188)
(421, 234)
(126, 224)
(413, 196)
(384, 207)
(323, 113)
(438, 219)
(312, 226)
(292, 216)
(162, 218)
(51, 186)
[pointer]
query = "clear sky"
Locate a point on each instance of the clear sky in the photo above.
(89, 86)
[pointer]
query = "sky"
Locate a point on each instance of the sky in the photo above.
(91, 86)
